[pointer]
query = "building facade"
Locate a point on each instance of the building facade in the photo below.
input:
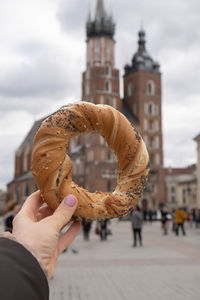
(181, 186)
(142, 95)
(197, 139)
(94, 165)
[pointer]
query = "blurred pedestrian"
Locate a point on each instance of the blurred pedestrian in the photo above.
(179, 219)
(164, 220)
(11, 209)
(150, 216)
(87, 224)
(137, 220)
(103, 229)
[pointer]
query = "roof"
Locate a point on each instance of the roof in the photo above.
(179, 171)
(187, 178)
(128, 113)
(197, 138)
(31, 134)
(102, 25)
(141, 59)
(26, 176)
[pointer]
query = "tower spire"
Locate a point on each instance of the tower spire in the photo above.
(100, 12)
(141, 41)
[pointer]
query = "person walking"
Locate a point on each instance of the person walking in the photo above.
(137, 220)
(164, 220)
(87, 224)
(179, 219)
(103, 230)
(11, 209)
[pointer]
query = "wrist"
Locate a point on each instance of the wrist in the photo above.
(10, 236)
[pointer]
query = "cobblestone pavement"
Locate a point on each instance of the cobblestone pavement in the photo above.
(166, 267)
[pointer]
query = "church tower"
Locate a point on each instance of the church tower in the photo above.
(100, 85)
(142, 96)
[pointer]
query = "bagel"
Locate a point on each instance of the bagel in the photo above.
(52, 167)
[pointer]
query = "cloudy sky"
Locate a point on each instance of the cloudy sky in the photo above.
(42, 55)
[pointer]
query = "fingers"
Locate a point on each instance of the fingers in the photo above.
(67, 238)
(44, 212)
(31, 205)
(64, 212)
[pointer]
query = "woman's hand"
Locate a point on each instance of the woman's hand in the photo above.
(37, 228)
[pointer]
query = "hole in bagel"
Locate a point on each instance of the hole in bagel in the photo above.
(94, 164)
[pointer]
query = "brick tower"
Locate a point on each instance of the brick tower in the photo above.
(142, 95)
(100, 85)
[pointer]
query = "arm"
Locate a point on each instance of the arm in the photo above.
(34, 247)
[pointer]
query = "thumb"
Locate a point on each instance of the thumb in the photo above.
(64, 212)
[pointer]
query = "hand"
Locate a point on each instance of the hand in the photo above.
(37, 228)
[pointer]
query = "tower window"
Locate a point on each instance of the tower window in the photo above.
(107, 70)
(150, 88)
(109, 186)
(107, 86)
(107, 101)
(151, 142)
(151, 125)
(150, 109)
(130, 90)
(151, 159)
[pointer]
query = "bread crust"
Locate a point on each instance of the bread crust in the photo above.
(52, 167)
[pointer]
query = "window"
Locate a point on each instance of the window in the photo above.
(91, 155)
(109, 155)
(150, 109)
(150, 124)
(157, 159)
(135, 108)
(107, 50)
(151, 144)
(114, 102)
(108, 101)
(102, 141)
(130, 90)
(150, 88)
(109, 186)
(107, 70)
(172, 189)
(173, 199)
(151, 159)
(97, 50)
(101, 100)
(107, 86)
(103, 156)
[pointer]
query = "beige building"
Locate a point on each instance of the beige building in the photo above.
(181, 187)
(197, 139)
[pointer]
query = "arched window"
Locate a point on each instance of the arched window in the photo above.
(130, 90)
(150, 109)
(107, 86)
(150, 88)
(108, 101)
(107, 70)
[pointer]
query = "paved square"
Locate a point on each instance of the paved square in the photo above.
(166, 267)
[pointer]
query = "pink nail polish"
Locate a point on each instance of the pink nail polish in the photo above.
(70, 200)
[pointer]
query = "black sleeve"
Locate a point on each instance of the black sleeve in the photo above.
(21, 277)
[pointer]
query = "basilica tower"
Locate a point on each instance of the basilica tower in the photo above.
(100, 85)
(142, 96)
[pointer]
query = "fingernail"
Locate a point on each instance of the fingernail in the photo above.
(70, 200)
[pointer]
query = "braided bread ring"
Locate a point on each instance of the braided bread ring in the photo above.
(52, 167)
